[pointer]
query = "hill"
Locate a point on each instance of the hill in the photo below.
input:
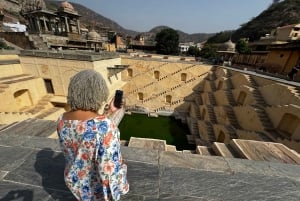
(278, 14)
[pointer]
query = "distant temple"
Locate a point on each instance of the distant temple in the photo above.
(62, 22)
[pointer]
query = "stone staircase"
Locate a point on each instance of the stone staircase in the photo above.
(211, 114)
(232, 117)
(210, 132)
(230, 98)
(211, 98)
(37, 42)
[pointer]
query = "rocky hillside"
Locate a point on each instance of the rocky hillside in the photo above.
(278, 14)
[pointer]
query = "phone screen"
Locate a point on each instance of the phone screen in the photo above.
(118, 98)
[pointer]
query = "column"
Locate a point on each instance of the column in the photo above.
(38, 24)
(45, 24)
(67, 25)
(78, 26)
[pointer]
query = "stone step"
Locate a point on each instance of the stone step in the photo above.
(224, 150)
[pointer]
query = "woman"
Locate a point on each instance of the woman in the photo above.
(91, 142)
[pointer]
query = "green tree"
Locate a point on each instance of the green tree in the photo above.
(167, 42)
(242, 47)
(4, 46)
(193, 51)
(208, 51)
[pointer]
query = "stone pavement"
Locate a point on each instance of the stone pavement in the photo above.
(31, 168)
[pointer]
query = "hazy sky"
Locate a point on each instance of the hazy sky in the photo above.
(190, 16)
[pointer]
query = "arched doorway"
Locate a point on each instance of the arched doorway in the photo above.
(140, 96)
(242, 97)
(203, 113)
(220, 85)
(221, 137)
(168, 99)
(288, 124)
(129, 72)
(183, 77)
(156, 74)
(23, 98)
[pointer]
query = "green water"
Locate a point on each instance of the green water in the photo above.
(164, 128)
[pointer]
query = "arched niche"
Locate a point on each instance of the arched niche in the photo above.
(168, 99)
(241, 98)
(23, 98)
(183, 77)
(203, 113)
(129, 72)
(156, 74)
(221, 137)
(140, 96)
(220, 85)
(288, 124)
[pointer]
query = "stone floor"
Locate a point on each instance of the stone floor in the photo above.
(31, 169)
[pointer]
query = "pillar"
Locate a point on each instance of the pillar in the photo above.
(78, 26)
(67, 25)
(37, 20)
(45, 24)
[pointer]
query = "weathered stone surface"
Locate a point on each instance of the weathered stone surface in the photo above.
(146, 143)
(12, 191)
(140, 155)
(35, 173)
(143, 178)
(42, 142)
(42, 168)
(193, 161)
(221, 186)
(12, 157)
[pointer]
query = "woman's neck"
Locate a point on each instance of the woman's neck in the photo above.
(80, 115)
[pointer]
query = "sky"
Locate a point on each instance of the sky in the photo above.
(189, 16)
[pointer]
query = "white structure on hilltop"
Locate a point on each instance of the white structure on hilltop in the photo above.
(15, 27)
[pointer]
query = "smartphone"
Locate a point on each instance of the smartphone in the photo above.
(118, 98)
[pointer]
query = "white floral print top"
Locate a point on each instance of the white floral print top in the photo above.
(94, 167)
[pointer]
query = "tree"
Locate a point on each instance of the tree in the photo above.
(193, 51)
(208, 51)
(242, 47)
(167, 42)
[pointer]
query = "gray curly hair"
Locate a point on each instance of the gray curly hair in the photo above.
(87, 91)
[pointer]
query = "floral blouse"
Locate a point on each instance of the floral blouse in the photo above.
(94, 169)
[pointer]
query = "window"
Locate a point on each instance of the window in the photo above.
(49, 86)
